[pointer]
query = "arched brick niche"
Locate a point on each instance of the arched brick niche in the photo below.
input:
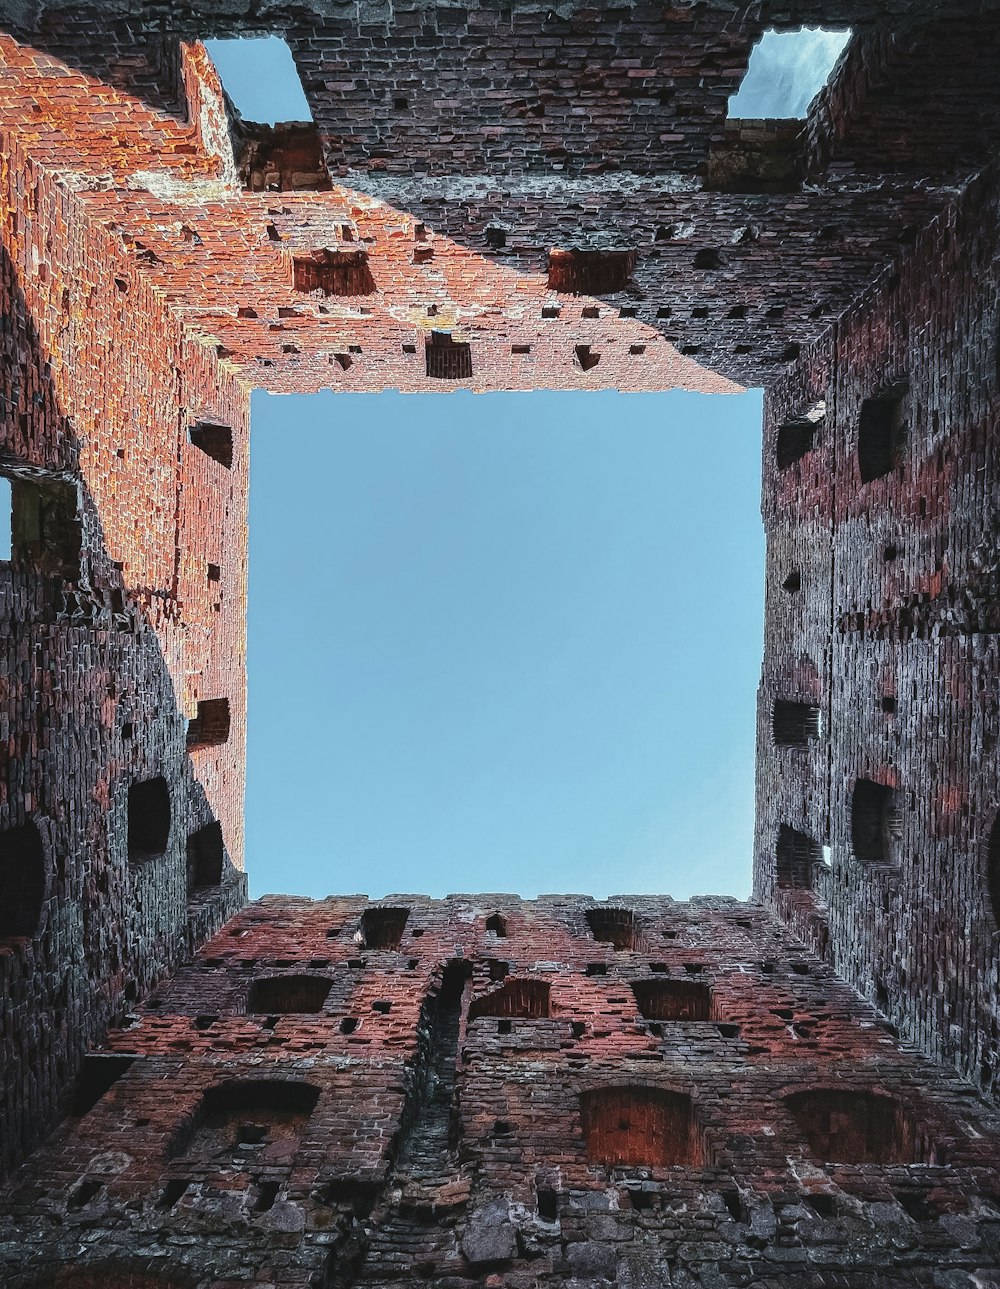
(253, 1122)
(22, 880)
(845, 1126)
(993, 869)
(148, 819)
(618, 927)
(651, 1127)
(205, 856)
(498, 925)
(875, 822)
(673, 999)
(524, 998)
(382, 928)
(274, 995)
(796, 854)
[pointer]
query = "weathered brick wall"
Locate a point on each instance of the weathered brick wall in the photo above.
(105, 658)
(448, 1146)
(893, 635)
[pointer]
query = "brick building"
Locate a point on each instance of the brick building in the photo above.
(795, 1092)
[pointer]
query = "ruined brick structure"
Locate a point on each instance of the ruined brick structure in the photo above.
(796, 1092)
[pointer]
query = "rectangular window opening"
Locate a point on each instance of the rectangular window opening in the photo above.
(787, 69)
(259, 75)
(40, 523)
(215, 440)
(447, 359)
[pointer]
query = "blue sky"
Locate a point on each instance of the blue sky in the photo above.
(503, 642)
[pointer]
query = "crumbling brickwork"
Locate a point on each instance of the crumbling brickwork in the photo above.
(419, 1114)
(485, 1091)
(889, 630)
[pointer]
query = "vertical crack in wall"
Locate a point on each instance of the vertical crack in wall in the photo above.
(423, 1188)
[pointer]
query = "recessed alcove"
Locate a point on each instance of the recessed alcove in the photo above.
(210, 727)
(665, 999)
(846, 1126)
(614, 926)
(250, 1123)
(206, 854)
(876, 822)
(796, 855)
(639, 1125)
(382, 927)
(22, 880)
(794, 724)
(148, 819)
(517, 996)
(280, 995)
(880, 434)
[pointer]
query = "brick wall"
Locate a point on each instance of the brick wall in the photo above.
(435, 1143)
(892, 635)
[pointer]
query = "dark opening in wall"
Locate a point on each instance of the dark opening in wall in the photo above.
(993, 869)
(875, 822)
(647, 1126)
(794, 724)
(524, 998)
(586, 358)
(214, 440)
(880, 433)
(210, 727)
(590, 272)
(848, 1127)
(22, 880)
(287, 157)
(614, 926)
(382, 928)
(148, 819)
(205, 856)
(41, 516)
(796, 853)
(277, 995)
(252, 1123)
(99, 1072)
(673, 999)
(797, 435)
(498, 925)
(333, 272)
(447, 359)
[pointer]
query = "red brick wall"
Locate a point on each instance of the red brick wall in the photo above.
(444, 1147)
